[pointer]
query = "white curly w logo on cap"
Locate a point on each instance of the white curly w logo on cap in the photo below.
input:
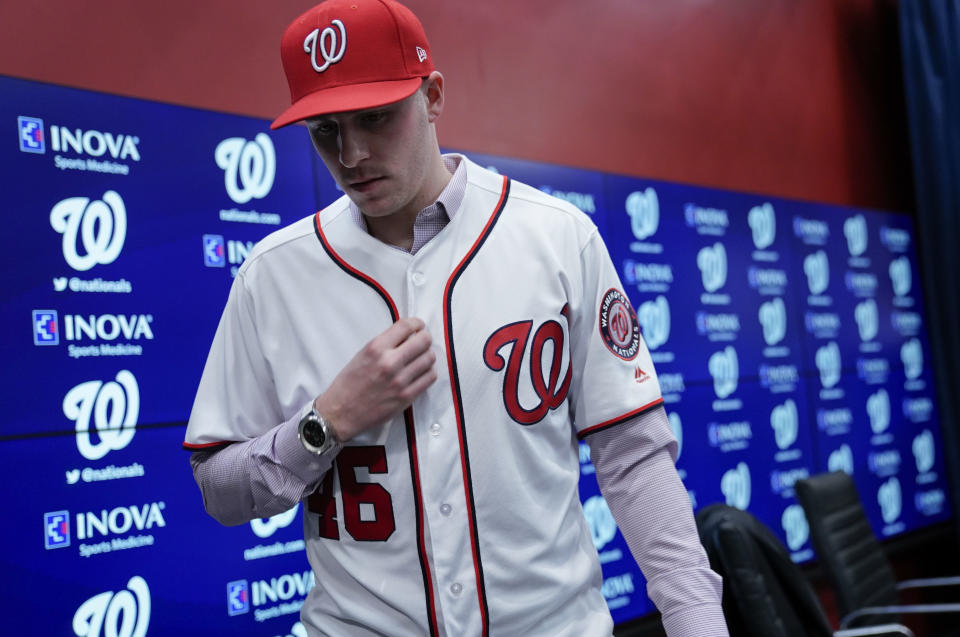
(326, 41)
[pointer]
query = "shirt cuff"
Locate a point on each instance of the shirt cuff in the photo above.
(307, 466)
(703, 620)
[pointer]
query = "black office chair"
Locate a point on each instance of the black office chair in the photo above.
(863, 581)
(764, 593)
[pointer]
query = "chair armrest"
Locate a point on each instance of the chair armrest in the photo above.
(882, 629)
(890, 610)
(929, 582)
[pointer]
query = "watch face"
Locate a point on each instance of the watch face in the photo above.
(313, 433)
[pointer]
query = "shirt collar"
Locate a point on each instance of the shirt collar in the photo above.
(447, 204)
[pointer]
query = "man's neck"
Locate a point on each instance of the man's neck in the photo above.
(397, 229)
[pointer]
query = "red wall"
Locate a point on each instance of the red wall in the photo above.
(794, 98)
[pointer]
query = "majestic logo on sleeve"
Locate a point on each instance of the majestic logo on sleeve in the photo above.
(550, 390)
(326, 43)
(618, 325)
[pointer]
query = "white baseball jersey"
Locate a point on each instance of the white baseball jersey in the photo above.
(460, 516)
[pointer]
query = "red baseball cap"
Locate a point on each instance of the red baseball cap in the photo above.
(346, 55)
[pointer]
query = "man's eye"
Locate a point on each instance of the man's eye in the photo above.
(375, 117)
(325, 130)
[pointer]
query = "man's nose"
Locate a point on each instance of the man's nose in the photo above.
(353, 148)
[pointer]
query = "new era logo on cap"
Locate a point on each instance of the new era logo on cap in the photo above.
(421, 54)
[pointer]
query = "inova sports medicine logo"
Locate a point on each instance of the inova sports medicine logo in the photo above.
(91, 146)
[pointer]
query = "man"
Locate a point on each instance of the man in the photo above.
(417, 361)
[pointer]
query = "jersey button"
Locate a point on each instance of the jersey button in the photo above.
(456, 588)
(418, 278)
(445, 508)
(435, 429)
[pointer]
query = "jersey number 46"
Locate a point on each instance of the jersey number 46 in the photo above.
(367, 506)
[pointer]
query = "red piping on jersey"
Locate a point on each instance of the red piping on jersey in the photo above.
(458, 405)
(619, 419)
(189, 446)
(408, 421)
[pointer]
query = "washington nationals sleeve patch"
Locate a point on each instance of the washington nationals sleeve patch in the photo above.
(618, 325)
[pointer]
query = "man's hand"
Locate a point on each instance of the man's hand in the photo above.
(381, 380)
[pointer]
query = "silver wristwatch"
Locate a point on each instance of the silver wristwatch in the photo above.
(317, 436)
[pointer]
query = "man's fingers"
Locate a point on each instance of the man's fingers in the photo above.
(415, 345)
(417, 367)
(400, 332)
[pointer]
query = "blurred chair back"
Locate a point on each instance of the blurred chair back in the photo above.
(764, 593)
(846, 547)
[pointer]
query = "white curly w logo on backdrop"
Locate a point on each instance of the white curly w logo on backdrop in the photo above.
(855, 230)
(890, 500)
(923, 451)
(644, 210)
(786, 423)
(249, 167)
(114, 408)
(763, 224)
(827, 359)
(868, 321)
(900, 276)
(654, 317)
(101, 227)
(676, 426)
(841, 459)
(795, 526)
(911, 354)
(265, 527)
(603, 527)
(725, 369)
(735, 486)
(712, 262)
(878, 410)
(125, 613)
(773, 319)
(817, 268)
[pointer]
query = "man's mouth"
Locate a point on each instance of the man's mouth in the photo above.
(363, 185)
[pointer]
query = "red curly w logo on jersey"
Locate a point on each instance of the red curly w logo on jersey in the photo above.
(517, 336)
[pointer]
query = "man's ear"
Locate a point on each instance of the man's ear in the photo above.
(433, 94)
